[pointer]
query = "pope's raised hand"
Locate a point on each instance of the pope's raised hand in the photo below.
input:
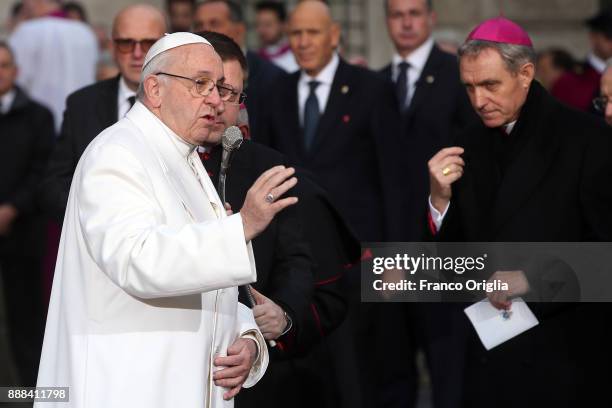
(262, 201)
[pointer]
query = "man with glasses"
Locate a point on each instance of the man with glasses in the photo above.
(144, 310)
(302, 319)
(226, 17)
(94, 108)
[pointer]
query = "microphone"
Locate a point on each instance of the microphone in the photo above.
(231, 140)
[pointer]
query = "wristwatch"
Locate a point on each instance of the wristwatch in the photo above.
(289, 324)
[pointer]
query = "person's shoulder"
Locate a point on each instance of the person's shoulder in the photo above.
(361, 75)
(91, 92)
(260, 66)
(262, 154)
(121, 136)
(443, 56)
(571, 120)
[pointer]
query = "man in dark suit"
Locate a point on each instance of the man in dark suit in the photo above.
(27, 135)
(226, 17)
(96, 107)
(340, 122)
(284, 266)
(435, 109)
(533, 170)
(434, 105)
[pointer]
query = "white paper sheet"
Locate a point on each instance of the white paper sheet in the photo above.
(491, 326)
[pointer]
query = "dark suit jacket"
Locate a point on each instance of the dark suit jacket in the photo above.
(545, 183)
(27, 134)
(439, 111)
(88, 112)
(263, 77)
(354, 153)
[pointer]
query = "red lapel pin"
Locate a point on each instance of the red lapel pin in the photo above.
(346, 118)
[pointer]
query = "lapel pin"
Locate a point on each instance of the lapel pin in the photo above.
(430, 79)
(346, 118)
(344, 89)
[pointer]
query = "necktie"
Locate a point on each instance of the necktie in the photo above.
(402, 86)
(132, 100)
(311, 115)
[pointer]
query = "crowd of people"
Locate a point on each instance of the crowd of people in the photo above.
(163, 295)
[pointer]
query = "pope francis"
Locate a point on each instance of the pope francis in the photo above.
(144, 309)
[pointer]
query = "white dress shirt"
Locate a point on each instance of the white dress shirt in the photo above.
(417, 60)
(325, 79)
(6, 101)
(438, 217)
(123, 103)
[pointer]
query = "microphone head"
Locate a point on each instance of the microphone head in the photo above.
(232, 138)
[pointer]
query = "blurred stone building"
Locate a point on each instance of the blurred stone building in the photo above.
(550, 22)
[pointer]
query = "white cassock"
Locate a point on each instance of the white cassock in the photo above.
(144, 294)
(55, 56)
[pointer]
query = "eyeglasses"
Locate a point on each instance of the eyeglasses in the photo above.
(125, 45)
(600, 103)
(237, 98)
(205, 86)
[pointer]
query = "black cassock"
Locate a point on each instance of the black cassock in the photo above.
(548, 180)
(305, 245)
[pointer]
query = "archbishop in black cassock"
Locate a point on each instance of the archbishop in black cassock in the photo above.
(544, 177)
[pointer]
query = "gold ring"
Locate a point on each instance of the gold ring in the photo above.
(446, 171)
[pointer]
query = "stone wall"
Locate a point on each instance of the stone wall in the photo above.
(550, 22)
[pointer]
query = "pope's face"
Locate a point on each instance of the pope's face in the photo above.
(189, 114)
(496, 94)
(234, 77)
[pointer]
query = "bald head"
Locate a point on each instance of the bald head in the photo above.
(314, 9)
(313, 35)
(135, 30)
(138, 16)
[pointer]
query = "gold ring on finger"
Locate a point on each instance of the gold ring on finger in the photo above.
(446, 171)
